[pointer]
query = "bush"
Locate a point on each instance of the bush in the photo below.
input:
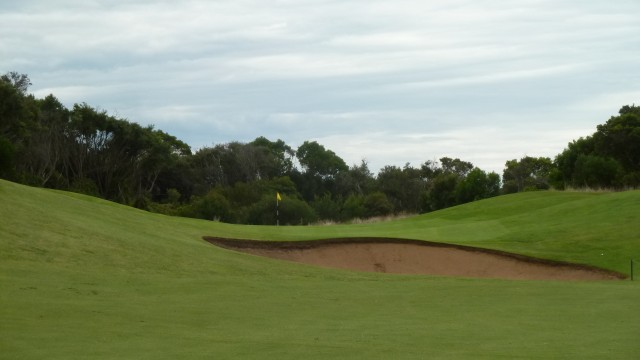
(7, 156)
(596, 171)
(292, 211)
(377, 204)
(213, 206)
(85, 186)
(353, 208)
(326, 208)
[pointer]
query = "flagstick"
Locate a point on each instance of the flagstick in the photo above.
(277, 212)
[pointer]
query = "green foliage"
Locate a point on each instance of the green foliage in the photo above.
(594, 171)
(402, 186)
(354, 207)
(85, 186)
(213, 206)
(619, 138)
(20, 82)
(173, 196)
(455, 166)
(477, 185)
(377, 204)
(326, 208)
(608, 158)
(357, 180)
(442, 192)
(527, 174)
(85, 149)
(290, 211)
(7, 158)
(318, 161)
(280, 156)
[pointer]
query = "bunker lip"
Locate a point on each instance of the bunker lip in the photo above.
(405, 256)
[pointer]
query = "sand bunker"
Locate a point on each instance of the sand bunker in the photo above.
(400, 256)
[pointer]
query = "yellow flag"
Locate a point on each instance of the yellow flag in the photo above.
(278, 196)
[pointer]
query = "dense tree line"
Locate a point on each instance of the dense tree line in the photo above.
(86, 150)
(607, 159)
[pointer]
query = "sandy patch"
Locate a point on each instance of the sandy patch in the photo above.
(400, 256)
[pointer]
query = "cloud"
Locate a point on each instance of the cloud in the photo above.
(393, 82)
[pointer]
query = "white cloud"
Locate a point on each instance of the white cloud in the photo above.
(393, 82)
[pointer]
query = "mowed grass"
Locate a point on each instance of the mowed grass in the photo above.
(83, 278)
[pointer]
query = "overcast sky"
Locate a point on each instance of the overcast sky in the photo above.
(387, 81)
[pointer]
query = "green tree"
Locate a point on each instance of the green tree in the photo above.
(326, 207)
(455, 166)
(353, 208)
(528, 173)
(45, 150)
(278, 159)
(377, 204)
(619, 139)
(357, 180)
(594, 171)
(441, 193)
(402, 186)
(608, 158)
(20, 82)
(316, 160)
(291, 211)
(7, 159)
(213, 206)
(321, 168)
(477, 185)
(565, 162)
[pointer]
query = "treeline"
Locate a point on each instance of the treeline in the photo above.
(86, 150)
(608, 159)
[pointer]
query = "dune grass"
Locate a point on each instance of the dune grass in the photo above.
(83, 278)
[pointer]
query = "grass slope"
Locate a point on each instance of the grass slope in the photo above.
(84, 278)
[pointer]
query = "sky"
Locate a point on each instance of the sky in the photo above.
(390, 82)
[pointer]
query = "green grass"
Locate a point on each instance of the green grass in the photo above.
(84, 278)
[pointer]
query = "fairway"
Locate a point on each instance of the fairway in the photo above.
(83, 278)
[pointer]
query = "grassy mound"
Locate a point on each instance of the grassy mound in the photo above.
(85, 278)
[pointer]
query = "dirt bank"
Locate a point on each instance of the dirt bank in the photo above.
(401, 256)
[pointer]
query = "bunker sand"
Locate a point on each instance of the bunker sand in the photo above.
(403, 256)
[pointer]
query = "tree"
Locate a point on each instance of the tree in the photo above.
(377, 204)
(528, 173)
(353, 208)
(619, 139)
(455, 166)
(477, 185)
(608, 158)
(594, 171)
(402, 186)
(318, 161)
(213, 206)
(441, 193)
(14, 121)
(279, 161)
(20, 82)
(7, 158)
(357, 180)
(326, 208)
(292, 211)
(46, 147)
(565, 162)
(453, 182)
(321, 169)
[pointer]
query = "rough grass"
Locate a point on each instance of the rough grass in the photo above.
(83, 278)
